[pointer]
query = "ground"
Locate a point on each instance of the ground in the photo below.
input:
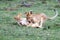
(10, 30)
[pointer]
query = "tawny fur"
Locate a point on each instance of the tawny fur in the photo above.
(20, 20)
(23, 21)
(38, 18)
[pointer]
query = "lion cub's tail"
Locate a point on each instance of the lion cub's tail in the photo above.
(56, 14)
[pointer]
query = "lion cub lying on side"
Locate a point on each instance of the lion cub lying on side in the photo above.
(23, 21)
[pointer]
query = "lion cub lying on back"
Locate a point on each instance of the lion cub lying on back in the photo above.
(20, 20)
(23, 21)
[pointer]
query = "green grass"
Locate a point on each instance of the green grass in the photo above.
(9, 29)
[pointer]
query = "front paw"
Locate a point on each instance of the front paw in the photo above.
(40, 27)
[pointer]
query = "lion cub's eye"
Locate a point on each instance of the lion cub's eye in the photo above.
(29, 21)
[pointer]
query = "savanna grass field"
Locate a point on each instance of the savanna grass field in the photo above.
(10, 30)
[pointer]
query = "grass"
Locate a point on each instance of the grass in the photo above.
(9, 29)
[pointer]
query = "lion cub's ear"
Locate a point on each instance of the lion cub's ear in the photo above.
(30, 12)
(18, 16)
(26, 13)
